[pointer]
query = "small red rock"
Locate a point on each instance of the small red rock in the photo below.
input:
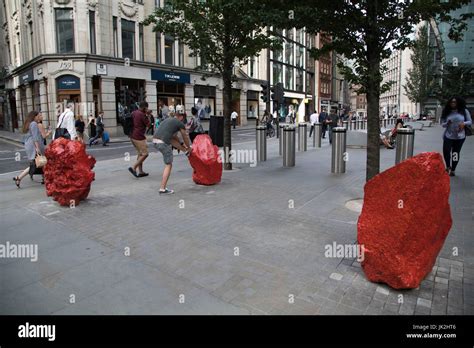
(68, 173)
(206, 161)
(405, 220)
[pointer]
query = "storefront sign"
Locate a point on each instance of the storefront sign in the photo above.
(27, 76)
(161, 75)
(68, 82)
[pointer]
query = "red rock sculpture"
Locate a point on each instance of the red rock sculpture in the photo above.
(404, 221)
(68, 173)
(205, 161)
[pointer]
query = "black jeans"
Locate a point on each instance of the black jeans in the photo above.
(311, 130)
(452, 151)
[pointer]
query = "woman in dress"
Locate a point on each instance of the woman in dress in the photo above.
(33, 141)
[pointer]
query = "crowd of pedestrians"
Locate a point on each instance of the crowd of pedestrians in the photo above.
(172, 130)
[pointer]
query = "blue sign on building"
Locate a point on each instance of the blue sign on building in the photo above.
(68, 82)
(169, 76)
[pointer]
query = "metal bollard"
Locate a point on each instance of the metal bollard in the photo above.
(261, 143)
(405, 144)
(384, 123)
(338, 160)
(318, 129)
(282, 125)
(353, 124)
(302, 137)
(365, 124)
(360, 123)
(289, 153)
(345, 124)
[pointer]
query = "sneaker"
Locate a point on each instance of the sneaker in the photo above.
(451, 173)
(141, 175)
(134, 173)
(166, 191)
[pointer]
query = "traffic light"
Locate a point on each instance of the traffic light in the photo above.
(265, 93)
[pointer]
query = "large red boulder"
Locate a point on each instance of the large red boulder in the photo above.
(206, 161)
(68, 173)
(404, 221)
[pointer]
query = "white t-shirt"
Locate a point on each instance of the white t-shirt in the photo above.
(234, 115)
(314, 118)
(67, 121)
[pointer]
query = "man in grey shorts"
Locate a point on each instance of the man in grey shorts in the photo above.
(164, 139)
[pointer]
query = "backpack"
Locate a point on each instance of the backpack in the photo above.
(127, 124)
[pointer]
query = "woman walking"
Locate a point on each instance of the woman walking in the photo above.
(80, 128)
(455, 118)
(33, 141)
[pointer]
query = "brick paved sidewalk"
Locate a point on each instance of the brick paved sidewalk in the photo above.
(253, 244)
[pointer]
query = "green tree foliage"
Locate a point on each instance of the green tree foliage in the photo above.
(456, 81)
(224, 33)
(366, 32)
(420, 81)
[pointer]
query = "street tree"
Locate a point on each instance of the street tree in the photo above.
(454, 81)
(420, 81)
(366, 32)
(223, 33)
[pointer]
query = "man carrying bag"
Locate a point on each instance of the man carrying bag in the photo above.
(66, 125)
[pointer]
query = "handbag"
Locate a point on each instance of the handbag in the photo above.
(62, 132)
(467, 129)
(40, 161)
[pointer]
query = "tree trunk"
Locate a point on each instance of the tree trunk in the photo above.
(227, 91)
(374, 79)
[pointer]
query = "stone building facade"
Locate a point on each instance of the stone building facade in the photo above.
(98, 54)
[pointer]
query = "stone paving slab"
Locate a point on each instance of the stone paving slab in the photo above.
(253, 244)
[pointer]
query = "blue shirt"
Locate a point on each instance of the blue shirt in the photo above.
(452, 128)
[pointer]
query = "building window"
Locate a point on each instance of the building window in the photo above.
(289, 53)
(169, 50)
(64, 30)
(300, 56)
(32, 41)
(299, 80)
(128, 39)
(277, 73)
(140, 42)
(115, 38)
(289, 78)
(252, 67)
(158, 47)
(92, 32)
(181, 54)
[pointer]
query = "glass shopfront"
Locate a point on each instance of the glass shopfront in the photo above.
(252, 104)
(205, 101)
(129, 94)
(170, 87)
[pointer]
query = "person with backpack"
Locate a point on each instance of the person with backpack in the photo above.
(137, 136)
(194, 125)
(457, 120)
